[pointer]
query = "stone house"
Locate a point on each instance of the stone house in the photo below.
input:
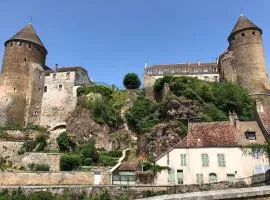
(214, 152)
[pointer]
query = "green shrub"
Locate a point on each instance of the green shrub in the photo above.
(115, 153)
(63, 142)
(41, 195)
(29, 146)
(103, 90)
(143, 115)
(88, 162)
(131, 81)
(70, 162)
(42, 167)
(41, 142)
(106, 160)
(88, 150)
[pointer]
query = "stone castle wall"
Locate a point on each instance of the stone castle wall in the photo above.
(17, 77)
(249, 61)
(59, 98)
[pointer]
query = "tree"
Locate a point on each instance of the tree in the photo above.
(131, 81)
(63, 141)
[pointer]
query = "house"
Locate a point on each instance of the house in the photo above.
(125, 174)
(213, 152)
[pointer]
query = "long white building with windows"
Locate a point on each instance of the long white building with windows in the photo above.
(214, 152)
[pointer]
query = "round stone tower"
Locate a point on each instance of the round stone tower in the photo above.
(249, 66)
(23, 64)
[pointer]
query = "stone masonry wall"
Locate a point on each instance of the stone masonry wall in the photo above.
(60, 178)
(51, 159)
(59, 99)
(9, 148)
(250, 65)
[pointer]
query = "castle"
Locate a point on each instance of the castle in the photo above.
(30, 91)
(33, 93)
(242, 63)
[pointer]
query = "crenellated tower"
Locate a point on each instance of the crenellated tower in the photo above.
(22, 76)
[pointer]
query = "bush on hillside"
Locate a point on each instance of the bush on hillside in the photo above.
(131, 81)
(70, 162)
(63, 142)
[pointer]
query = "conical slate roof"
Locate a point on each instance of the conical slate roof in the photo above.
(244, 23)
(28, 33)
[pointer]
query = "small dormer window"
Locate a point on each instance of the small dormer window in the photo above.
(250, 135)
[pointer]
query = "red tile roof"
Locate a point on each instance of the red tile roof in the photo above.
(211, 134)
(129, 166)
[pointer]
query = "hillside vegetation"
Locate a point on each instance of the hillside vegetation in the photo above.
(164, 122)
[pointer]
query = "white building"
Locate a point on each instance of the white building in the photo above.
(60, 94)
(213, 152)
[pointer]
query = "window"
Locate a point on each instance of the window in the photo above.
(180, 177)
(231, 178)
(14, 89)
(29, 45)
(11, 44)
(251, 135)
(54, 76)
(170, 175)
(20, 44)
(67, 75)
(233, 38)
(183, 158)
(199, 178)
(212, 178)
(243, 34)
(60, 87)
(253, 33)
(25, 59)
(168, 159)
(221, 160)
(45, 89)
(205, 160)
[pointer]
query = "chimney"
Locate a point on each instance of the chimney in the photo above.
(217, 60)
(56, 66)
(234, 119)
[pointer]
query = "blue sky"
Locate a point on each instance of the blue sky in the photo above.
(113, 37)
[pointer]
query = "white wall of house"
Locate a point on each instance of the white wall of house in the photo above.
(237, 162)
